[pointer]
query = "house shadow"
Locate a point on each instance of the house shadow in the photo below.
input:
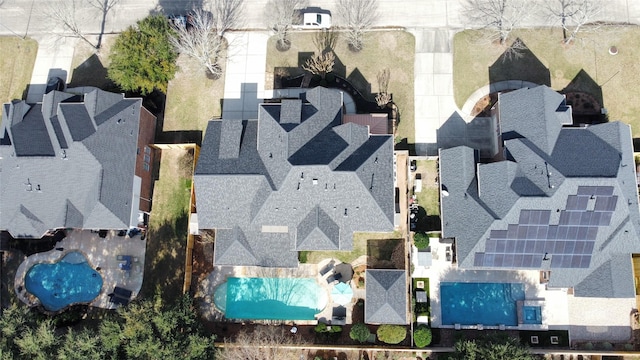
(92, 72)
(479, 134)
(172, 7)
(585, 97)
(519, 63)
(245, 107)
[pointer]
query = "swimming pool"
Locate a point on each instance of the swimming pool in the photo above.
(270, 298)
(532, 315)
(488, 304)
(69, 281)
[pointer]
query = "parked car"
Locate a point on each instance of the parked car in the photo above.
(178, 20)
(314, 20)
(54, 83)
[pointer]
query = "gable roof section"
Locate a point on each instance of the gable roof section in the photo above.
(386, 301)
(84, 176)
(572, 206)
(306, 173)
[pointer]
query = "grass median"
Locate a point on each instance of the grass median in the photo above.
(16, 66)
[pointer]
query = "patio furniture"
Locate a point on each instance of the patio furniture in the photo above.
(339, 315)
(421, 296)
(342, 294)
(345, 271)
(331, 279)
(120, 296)
(327, 268)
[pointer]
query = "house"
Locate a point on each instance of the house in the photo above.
(295, 179)
(78, 161)
(386, 297)
(561, 199)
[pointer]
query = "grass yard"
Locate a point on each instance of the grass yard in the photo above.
(89, 67)
(360, 243)
(429, 198)
(16, 66)
(164, 270)
(192, 98)
(617, 75)
(394, 50)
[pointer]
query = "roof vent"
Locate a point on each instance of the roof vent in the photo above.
(315, 181)
(120, 121)
(28, 183)
(38, 188)
(64, 154)
(298, 185)
(302, 176)
(345, 211)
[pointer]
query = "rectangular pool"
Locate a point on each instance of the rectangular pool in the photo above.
(270, 298)
(488, 304)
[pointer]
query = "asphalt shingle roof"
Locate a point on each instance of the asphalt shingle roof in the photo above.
(297, 169)
(545, 168)
(65, 170)
(386, 299)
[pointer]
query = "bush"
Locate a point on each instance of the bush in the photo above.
(422, 336)
(392, 334)
(321, 327)
(359, 332)
(421, 240)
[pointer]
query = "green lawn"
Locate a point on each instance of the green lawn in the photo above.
(16, 66)
(192, 98)
(360, 242)
(164, 268)
(617, 75)
(394, 50)
(428, 198)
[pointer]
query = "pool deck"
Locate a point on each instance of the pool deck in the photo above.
(101, 253)
(220, 274)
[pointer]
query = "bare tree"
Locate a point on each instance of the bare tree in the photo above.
(325, 40)
(501, 16)
(201, 41)
(104, 6)
(320, 63)
(282, 15)
(383, 97)
(227, 15)
(573, 15)
(357, 16)
(263, 343)
(64, 13)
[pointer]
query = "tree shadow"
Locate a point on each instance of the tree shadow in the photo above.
(172, 7)
(519, 63)
(383, 254)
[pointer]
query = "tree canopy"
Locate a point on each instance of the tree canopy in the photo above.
(142, 58)
(143, 330)
(359, 332)
(489, 348)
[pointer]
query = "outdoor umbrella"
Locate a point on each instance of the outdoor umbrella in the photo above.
(345, 270)
(342, 294)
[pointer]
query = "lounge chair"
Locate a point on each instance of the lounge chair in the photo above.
(120, 257)
(331, 279)
(327, 268)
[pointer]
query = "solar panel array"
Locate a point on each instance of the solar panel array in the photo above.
(568, 244)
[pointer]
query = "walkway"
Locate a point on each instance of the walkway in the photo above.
(53, 60)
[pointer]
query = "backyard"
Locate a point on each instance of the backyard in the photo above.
(361, 244)
(616, 76)
(360, 68)
(16, 65)
(164, 270)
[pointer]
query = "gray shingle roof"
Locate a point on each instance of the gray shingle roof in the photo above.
(62, 170)
(546, 166)
(386, 301)
(316, 180)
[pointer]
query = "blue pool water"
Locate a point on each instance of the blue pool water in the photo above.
(69, 281)
(532, 315)
(270, 298)
(489, 304)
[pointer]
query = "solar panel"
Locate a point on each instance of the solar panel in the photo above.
(530, 246)
(611, 204)
(564, 218)
(572, 202)
(478, 260)
(532, 232)
(574, 217)
(498, 234)
(510, 246)
(522, 232)
(605, 219)
(604, 190)
(588, 247)
(595, 218)
(585, 219)
(556, 261)
(539, 247)
(498, 260)
(586, 261)
(552, 232)
(562, 232)
(508, 261)
(592, 233)
(582, 233)
(524, 217)
(542, 232)
(501, 246)
(587, 190)
(572, 233)
(520, 245)
(545, 215)
(569, 247)
(579, 247)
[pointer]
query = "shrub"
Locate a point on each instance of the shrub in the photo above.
(359, 332)
(392, 334)
(588, 346)
(421, 240)
(321, 327)
(422, 336)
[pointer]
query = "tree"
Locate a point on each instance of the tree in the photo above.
(320, 63)
(282, 14)
(142, 58)
(359, 332)
(200, 41)
(263, 343)
(422, 336)
(357, 16)
(500, 16)
(391, 334)
(573, 15)
(490, 349)
(383, 97)
(227, 15)
(421, 240)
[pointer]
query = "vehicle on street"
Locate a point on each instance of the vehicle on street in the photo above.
(314, 19)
